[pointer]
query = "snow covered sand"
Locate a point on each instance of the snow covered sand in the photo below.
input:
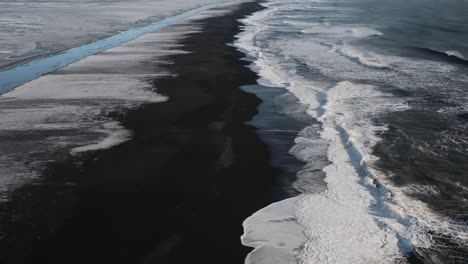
(77, 108)
(35, 28)
(178, 191)
(68, 110)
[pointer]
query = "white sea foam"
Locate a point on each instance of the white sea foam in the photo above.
(455, 54)
(361, 217)
(274, 233)
(365, 58)
(353, 32)
(376, 230)
(431, 190)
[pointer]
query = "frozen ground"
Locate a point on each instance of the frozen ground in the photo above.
(73, 110)
(35, 28)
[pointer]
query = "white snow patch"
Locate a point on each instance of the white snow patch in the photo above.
(116, 134)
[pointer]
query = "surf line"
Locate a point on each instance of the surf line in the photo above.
(21, 74)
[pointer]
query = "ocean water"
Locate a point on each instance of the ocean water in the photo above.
(387, 85)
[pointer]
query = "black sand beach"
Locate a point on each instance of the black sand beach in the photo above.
(178, 192)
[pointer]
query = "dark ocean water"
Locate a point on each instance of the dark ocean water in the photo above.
(426, 147)
(391, 79)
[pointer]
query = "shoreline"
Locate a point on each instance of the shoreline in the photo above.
(179, 190)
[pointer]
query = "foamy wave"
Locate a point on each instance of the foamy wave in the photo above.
(274, 233)
(430, 190)
(365, 58)
(352, 32)
(345, 207)
(455, 53)
(451, 110)
(380, 222)
(353, 203)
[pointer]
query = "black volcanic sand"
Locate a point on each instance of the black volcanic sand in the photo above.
(178, 192)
